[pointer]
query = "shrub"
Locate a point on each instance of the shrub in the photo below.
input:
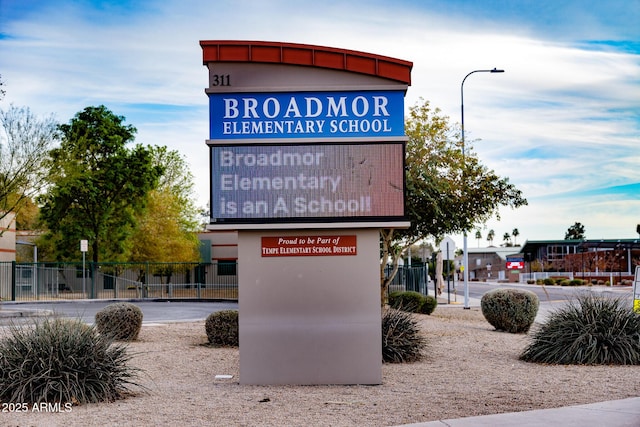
(429, 305)
(590, 330)
(410, 301)
(62, 360)
(570, 282)
(549, 281)
(510, 310)
(222, 328)
(401, 338)
(120, 321)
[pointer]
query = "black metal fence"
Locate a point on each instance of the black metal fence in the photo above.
(46, 281)
(63, 281)
(410, 278)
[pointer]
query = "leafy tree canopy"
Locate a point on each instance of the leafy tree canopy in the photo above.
(98, 186)
(575, 232)
(166, 230)
(160, 235)
(25, 140)
(446, 192)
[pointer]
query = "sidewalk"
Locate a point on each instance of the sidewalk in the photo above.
(616, 413)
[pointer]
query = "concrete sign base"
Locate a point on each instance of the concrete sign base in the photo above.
(310, 307)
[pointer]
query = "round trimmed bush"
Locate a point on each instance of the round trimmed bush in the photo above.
(62, 360)
(588, 331)
(120, 321)
(401, 338)
(510, 310)
(222, 328)
(429, 305)
(410, 301)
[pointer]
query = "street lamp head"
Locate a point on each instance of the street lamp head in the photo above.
(495, 70)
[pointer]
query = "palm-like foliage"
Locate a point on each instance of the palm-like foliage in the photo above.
(61, 360)
(401, 338)
(592, 330)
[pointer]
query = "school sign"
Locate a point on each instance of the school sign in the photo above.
(307, 150)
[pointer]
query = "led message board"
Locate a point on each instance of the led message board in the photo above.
(234, 116)
(264, 183)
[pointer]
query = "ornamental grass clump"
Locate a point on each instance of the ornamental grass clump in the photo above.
(510, 310)
(120, 321)
(222, 328)
(401, 337)
(62, 361)
(588, 331)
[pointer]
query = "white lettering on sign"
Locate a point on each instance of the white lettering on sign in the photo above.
(229, 158)
(252, 108)
(277, 127)
(233, 182)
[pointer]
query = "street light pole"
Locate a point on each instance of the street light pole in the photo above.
(465, 259)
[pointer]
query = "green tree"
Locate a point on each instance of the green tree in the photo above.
(98, 186)
(160, 236)
(506, 238)
(515, 233)
(27, 218)
(490, 236)
(177, 180)
(446, 191)
(478, 236)
(25, 140)
(575, 232)
(166, 231)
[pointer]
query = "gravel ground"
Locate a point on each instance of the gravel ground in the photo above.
(469, 369)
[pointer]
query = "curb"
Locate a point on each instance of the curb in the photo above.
(12, 314)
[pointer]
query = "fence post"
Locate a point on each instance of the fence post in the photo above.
(145, 287)
(13, 280)
(92, 266)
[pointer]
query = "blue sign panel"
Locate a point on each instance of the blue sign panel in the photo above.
(306, 115)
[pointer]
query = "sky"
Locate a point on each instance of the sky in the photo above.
(562, 123)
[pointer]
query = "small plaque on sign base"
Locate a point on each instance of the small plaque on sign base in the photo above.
(308, 245)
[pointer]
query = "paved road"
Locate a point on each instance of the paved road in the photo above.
(153, 311)
(173, 311)
(546, 294)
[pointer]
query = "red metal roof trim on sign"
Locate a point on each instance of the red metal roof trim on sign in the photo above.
(308, 55)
